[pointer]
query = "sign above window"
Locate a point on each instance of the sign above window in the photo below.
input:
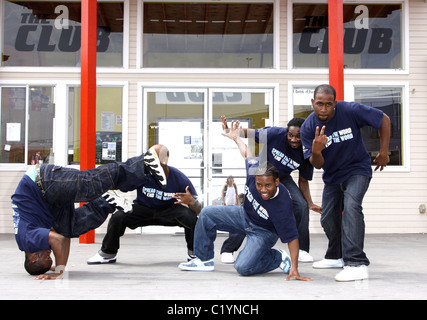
(372, 36)
(48, 33)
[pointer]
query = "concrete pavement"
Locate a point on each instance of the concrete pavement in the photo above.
(147, 269)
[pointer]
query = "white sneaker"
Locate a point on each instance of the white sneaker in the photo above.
(197, 265)
(328, 263)
(286, 263)
(304, 256)
(352, 273)
(98, 259)
(119, 202)
(227, 257)
(153, 166)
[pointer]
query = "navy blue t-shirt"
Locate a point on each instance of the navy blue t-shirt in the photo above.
(274, 214)
(152, 196)
(32, 218)
(280, 154)
(345, 154)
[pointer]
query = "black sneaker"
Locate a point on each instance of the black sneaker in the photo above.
(153, 167)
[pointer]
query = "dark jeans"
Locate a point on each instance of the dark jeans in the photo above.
(342, 220)
(65, 186)
(175, 215)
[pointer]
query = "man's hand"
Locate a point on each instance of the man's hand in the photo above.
(59, 270)
(295, 274)
(186, 198)
(381, 160)
(319, 141)
(234, 132)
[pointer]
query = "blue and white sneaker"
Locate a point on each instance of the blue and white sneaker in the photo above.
(197, 265)
(286, 264)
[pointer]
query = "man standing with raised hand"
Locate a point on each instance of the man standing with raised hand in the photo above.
(332, 141)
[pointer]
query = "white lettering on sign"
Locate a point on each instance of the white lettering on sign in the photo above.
(362, 21)
(61, 21)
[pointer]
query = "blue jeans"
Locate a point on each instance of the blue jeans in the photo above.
(65, 186)
(256, 257)
(301, 212)
(342, 220)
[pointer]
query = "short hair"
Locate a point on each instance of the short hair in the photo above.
(35, 268)
(325, 88)
(267, 169)
(296, 122)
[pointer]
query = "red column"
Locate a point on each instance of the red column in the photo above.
(88, 93)
(336, 46)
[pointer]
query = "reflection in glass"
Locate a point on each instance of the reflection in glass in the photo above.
(208, 35)
(48, 33)
(388, 100)
(13, 124)
(108, 125)
(372, 36)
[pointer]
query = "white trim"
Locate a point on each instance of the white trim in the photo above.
(126, 38)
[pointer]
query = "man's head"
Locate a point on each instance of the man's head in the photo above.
(324, 102)
(267, 180)
(163, 153)
(294, 136)
(38, 262)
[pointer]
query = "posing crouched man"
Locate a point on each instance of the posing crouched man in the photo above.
(175, 205)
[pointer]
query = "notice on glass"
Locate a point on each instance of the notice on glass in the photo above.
(13, 132)
(109, 151)
(107, 121)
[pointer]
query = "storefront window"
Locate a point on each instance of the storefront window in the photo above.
(108, 125)
(388, 100)
(208, 35)
(48, 34)
(27, 116)
(372, 36)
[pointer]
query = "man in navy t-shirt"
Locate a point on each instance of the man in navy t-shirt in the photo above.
(332, 140)
(266, 216)
(45, 217)
(283, 149)
(175, 205)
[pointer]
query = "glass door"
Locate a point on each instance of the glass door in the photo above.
(253, 108)
(176, 118)
(188, 123)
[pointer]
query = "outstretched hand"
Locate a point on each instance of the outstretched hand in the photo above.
(184, 197)
(232, 133)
